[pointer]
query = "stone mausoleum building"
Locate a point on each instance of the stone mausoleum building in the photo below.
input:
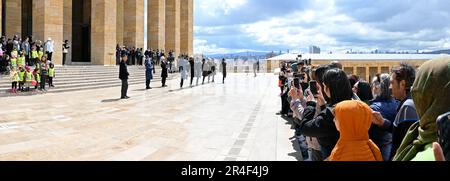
(95, 27)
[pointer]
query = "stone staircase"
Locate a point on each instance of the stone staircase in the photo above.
(75, 78)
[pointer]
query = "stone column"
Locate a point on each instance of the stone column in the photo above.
(156, 24)
(68, 27)
(186, 27)
(120, 20)
(13, 18)
(48, 16)
(103, 32)
(134, 23)
(173, 26)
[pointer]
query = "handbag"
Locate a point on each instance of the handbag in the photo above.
(33, 82)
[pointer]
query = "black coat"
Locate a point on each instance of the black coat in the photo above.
(224, 69)
(123, 71)
(321, 127)
(164, 72)
(192, 64)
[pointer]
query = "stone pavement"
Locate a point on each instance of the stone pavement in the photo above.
(211, 122)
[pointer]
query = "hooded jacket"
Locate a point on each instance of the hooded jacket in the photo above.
(353, 120)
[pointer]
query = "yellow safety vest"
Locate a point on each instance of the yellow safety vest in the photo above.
(14, 77)
(38, 78)
(21, 76)
(29, 76)
(34, 54)
(13, 62)
(21, 61)
(51, 72)
(40, 54)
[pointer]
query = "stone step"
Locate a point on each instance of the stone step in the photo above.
(117, 83)
(61, 79)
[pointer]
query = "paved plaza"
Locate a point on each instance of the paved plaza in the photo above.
(211, 122)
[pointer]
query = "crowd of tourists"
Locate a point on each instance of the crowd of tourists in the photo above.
(394, 117)
(28, 62)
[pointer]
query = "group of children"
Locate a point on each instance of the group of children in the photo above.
(22, 76)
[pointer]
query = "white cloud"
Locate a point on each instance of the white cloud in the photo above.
(219, 7)
(324, 23)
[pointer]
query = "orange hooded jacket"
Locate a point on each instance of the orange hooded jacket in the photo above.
(353, 120)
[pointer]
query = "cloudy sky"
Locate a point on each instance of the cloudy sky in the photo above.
(229, 26)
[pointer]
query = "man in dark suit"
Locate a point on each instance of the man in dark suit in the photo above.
(123, 75)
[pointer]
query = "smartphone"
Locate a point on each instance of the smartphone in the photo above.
(313, 87)
(443, 124)
(297, 83)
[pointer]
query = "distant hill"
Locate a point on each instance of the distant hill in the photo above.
(240, 55)
(439, 52)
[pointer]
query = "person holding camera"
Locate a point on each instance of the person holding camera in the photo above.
(336, 86)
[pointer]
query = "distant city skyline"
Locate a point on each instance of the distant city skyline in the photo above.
(230, 26)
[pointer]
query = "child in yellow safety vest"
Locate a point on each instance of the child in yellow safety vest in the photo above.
(21, 78)
(13, 63)
(37, 77)
(21, 59)
(14, 53)
(28, 79)
(51, 74)
(34, 55)
(14, 79)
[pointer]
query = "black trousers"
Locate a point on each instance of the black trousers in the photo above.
(14, 85)
(163, 80)
(192, 79)
(49, 56)
(43, 81)
(147, 83)
(50, 81)
(64, 58)
(124, 88)
(182, 82)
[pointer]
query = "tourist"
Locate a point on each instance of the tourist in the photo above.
(205, 69)
(164, 71)
(21, 80)
(26, 49)
(213, 66)
(353, 79)
(51, 74)
(255, 67)
(49, 48)
(198, 69)
(13, 62)
(183, 68)
(123, 76)
(21, 59)
(192, 69)
(148, 71)
(16, 42)
(353, 120)
(28, 79)
(171, 59)
(431, 95)
(384, 106)
(34, 55)
(224, 70)
(66, 48)
(336, 64)
(37, 77)
(402, 79)
(43, 67)
(363, 90)
(337, 87)
(14, 79)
